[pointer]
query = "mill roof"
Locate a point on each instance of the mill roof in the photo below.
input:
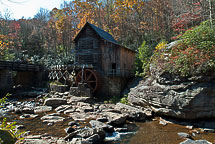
(103, 34)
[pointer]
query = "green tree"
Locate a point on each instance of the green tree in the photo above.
(143, 59)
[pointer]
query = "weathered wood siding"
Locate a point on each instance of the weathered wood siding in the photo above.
(106, 57)
(127, 59)
(110, 56)
(121, 57)
(87, 48)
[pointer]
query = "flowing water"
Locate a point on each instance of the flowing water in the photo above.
(154, 133)
(149, 132)
(36, 126)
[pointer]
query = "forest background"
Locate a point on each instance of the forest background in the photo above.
(47, 38)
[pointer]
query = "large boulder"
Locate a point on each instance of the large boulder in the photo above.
(98, 124)
(132, 112)
(181, 97)
(59, 88)
(75, 99)
(115, 118)
(42, 109)
(93, 135)
(51, 118)
(81, 91)
(55, 102)
(63, 108)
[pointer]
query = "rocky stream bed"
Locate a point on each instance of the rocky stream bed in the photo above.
(64, 119)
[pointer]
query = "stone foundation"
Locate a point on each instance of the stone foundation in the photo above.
(27, 78)
(111, 86)
(9, 78)
(59, 88)
(6, 81)
(81, 91)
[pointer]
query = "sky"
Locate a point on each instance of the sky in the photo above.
(27, 8)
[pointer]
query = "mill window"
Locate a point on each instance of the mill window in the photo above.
(90, 44)
(95, 43)
(95, 58)
(113, 70)
(82, 44)
(113, 65)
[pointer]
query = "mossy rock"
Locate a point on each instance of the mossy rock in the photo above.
(6, 137)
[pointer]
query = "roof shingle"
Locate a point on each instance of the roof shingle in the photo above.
(103, 34)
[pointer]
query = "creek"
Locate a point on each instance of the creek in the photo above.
(149, 132)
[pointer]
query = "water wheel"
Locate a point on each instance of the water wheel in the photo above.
(90, 77)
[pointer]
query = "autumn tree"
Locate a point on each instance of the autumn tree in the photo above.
(130, 22)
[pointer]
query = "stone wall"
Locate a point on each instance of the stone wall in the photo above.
(25, 78)
(9, 78)
(111, 86)
(6, 81)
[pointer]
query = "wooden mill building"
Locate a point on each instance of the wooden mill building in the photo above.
(113, 62)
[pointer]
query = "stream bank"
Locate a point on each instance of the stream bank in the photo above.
(62, 118)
